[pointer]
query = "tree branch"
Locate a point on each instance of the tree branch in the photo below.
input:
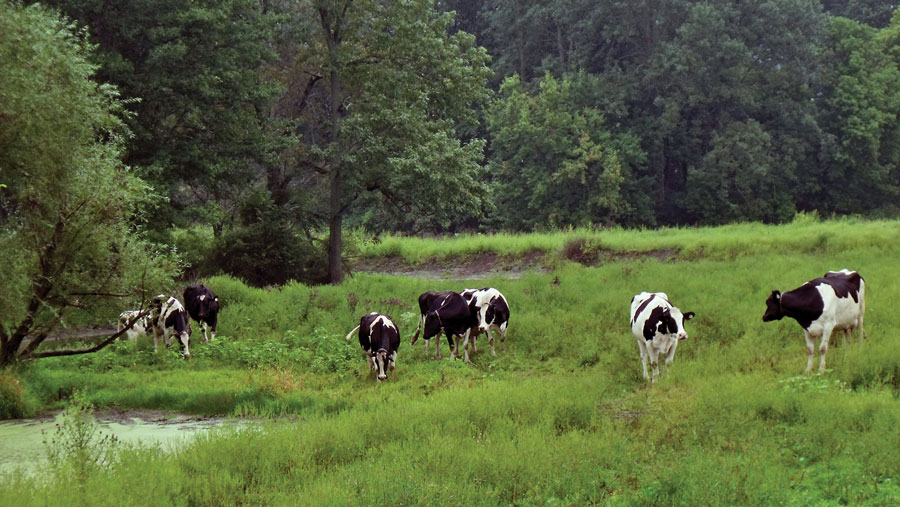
(28, 352)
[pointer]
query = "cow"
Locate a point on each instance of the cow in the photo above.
(142, 326)
(170, 319)
(493, 312)
(837, 301)
(203, 306)
(380, 339)
(445, 311)
(658, 326)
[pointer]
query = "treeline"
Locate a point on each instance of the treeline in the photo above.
(269, 122)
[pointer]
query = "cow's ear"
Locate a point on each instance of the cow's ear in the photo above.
(689, 315)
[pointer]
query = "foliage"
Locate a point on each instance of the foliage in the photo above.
(66, 245)
(200, 129)
(860, 108)
(265, 247)
(12, 394)
(554, 161)
(78, 445)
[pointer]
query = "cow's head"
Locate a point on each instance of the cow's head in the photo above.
(672, 322)
(773, 307)
(380, 360)
(207, 305)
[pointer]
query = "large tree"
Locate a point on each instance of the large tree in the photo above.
(67, 199)
(859, 106)
(202, 133)
(383, 87)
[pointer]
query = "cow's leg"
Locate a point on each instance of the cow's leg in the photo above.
(155, 339)
(670, 355)
(204, 326)
(810, 350)
(491, 341)
(437, 346)
(654, 362)
(393, 363)
(426, 347)
(465, 345)
(503, 337)
(643, 350)
(186, 344)
(823, 349)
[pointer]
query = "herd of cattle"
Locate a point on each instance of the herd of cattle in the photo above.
(835, 301)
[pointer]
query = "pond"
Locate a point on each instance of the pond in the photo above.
(21, 442)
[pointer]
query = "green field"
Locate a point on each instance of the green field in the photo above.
(561, 417)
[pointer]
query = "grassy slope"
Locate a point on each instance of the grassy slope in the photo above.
(561, 416)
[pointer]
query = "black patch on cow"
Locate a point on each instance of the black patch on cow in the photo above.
(448, 310)
(659, 321)
(803, 304)
(843, 285)
(177, 320)
(641, 308)
(497, 312)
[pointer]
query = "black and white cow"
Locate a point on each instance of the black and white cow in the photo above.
(445, 311)
(380, 339)
(203, 306)
(835, 301)
(492, 311)
(658, 326)
(170, 319)
(141, 327)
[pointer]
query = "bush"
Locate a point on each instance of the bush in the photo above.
(12, 400)
(265, 248)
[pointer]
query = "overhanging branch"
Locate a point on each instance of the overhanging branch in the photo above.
(57, 353)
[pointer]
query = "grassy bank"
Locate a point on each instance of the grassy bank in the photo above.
(562, 416)
(806, 234)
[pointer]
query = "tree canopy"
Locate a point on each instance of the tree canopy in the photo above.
(67, 204)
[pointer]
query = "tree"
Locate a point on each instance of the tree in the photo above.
(859, 107)
(67, 202)
(554, 160)
(385, 87)
(202, 133)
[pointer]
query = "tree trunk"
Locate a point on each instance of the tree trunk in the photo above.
(335, 210)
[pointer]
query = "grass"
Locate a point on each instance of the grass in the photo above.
(561, 417)
(806, 234)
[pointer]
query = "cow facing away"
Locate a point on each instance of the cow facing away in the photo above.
(141, 327)
(380, 339)
(492, 310)
(658, 326)
(203, 306)
(445, 311)
(820, 306)
(170, 319)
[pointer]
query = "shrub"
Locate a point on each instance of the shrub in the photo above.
(12, 402)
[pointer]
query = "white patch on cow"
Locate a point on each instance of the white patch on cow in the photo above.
(140, 328)
(841, 314)
(202, 297)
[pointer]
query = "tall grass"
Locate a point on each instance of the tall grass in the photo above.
(806, 234)
(561, 417)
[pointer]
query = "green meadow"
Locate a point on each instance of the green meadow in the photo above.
(562, 416)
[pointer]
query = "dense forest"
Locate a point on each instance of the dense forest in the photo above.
(251, 134)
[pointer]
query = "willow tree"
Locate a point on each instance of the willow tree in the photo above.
(383, 89)
(66, 199)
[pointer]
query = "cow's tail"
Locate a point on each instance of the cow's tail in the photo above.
(355, 329)
(419, 328)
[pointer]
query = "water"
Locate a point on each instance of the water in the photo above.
(21, 442)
